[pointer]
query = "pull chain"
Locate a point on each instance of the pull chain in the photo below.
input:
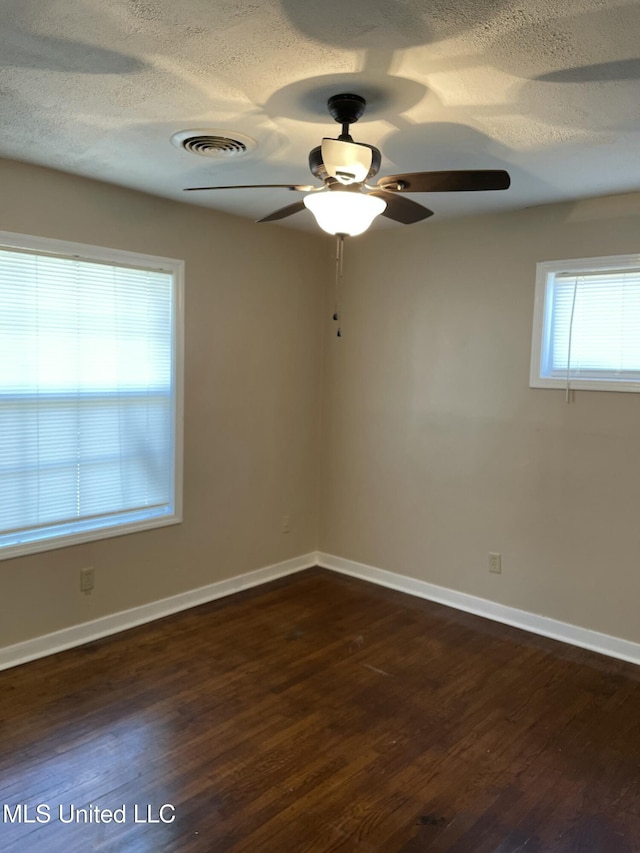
(337, 311)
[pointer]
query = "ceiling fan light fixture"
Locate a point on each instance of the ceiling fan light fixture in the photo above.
(344, 211)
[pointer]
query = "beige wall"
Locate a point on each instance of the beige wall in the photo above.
(437, 451)
(252, 372)
(433, 449)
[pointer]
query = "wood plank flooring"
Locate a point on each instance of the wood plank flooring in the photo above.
(320, 713)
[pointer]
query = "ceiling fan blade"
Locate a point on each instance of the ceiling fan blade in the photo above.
(468, 180)
(302, 188)
(402, 209)
(289, 210)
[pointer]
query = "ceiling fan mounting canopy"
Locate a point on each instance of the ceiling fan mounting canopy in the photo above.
(346, 109)
(344, 164)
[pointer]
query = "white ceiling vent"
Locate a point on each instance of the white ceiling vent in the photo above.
(214, 143)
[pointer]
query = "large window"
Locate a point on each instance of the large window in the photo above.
(586, 330)
(90, 393)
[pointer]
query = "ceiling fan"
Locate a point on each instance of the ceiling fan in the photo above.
(346, 204)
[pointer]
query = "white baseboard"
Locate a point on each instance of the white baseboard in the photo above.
(572, 634)
(77, 635)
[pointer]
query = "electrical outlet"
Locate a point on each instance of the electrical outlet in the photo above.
(495, 563)
(87, 579)
(286, 524)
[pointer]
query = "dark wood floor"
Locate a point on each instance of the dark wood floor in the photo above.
(316, 714)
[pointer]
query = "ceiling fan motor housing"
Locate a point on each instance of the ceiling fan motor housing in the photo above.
(318, 169)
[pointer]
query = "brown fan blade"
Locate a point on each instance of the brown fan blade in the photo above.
(468, 180)
(301, 188)
(289, 210)
(402, 209)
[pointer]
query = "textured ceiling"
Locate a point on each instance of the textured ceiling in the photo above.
(549, 91)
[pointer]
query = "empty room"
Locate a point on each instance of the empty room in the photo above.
(319, 469)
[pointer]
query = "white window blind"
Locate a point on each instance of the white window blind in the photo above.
(587, 326)
(87, 398)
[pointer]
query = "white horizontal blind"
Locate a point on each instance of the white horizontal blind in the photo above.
(597, 335)
(86, 395)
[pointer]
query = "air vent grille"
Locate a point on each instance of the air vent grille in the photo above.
(215, 146)
(214, 143)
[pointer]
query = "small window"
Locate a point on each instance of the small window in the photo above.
(90, 393)
(586, 330)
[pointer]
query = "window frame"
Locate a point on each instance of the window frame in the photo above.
(545, 272)
(156, 263)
